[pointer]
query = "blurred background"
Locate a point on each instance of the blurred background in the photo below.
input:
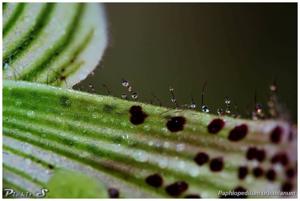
(237, 48)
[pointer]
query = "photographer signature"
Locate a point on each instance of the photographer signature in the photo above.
(11, 193)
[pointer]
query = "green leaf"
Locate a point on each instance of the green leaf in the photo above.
(46, 128)
(54, 43)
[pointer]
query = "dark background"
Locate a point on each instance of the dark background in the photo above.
(237, 48)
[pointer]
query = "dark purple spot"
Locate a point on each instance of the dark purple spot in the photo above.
(176, 124)
(276, 133)
(271, 175)
(201, 158)
(281, 158)
(238, 133)
(154, 180)
(258, 172)
(137, 115)
(243, 171)
(216, 164)
(284, 160)
(251, 153)
(260, 155)
(192, 196)
(135, 109)
(275, 159)
(290, 172)
(215, 126)
(286, 187)
(177, 188)
(113, 193)
(255, 153)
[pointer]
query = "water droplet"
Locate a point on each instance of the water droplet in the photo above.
(220, 111)
(227, 101)
(92, 87)
(258, 108)
(134, 96)
(193, 106)
(258, 112)
(204, 108)
(125, 83)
